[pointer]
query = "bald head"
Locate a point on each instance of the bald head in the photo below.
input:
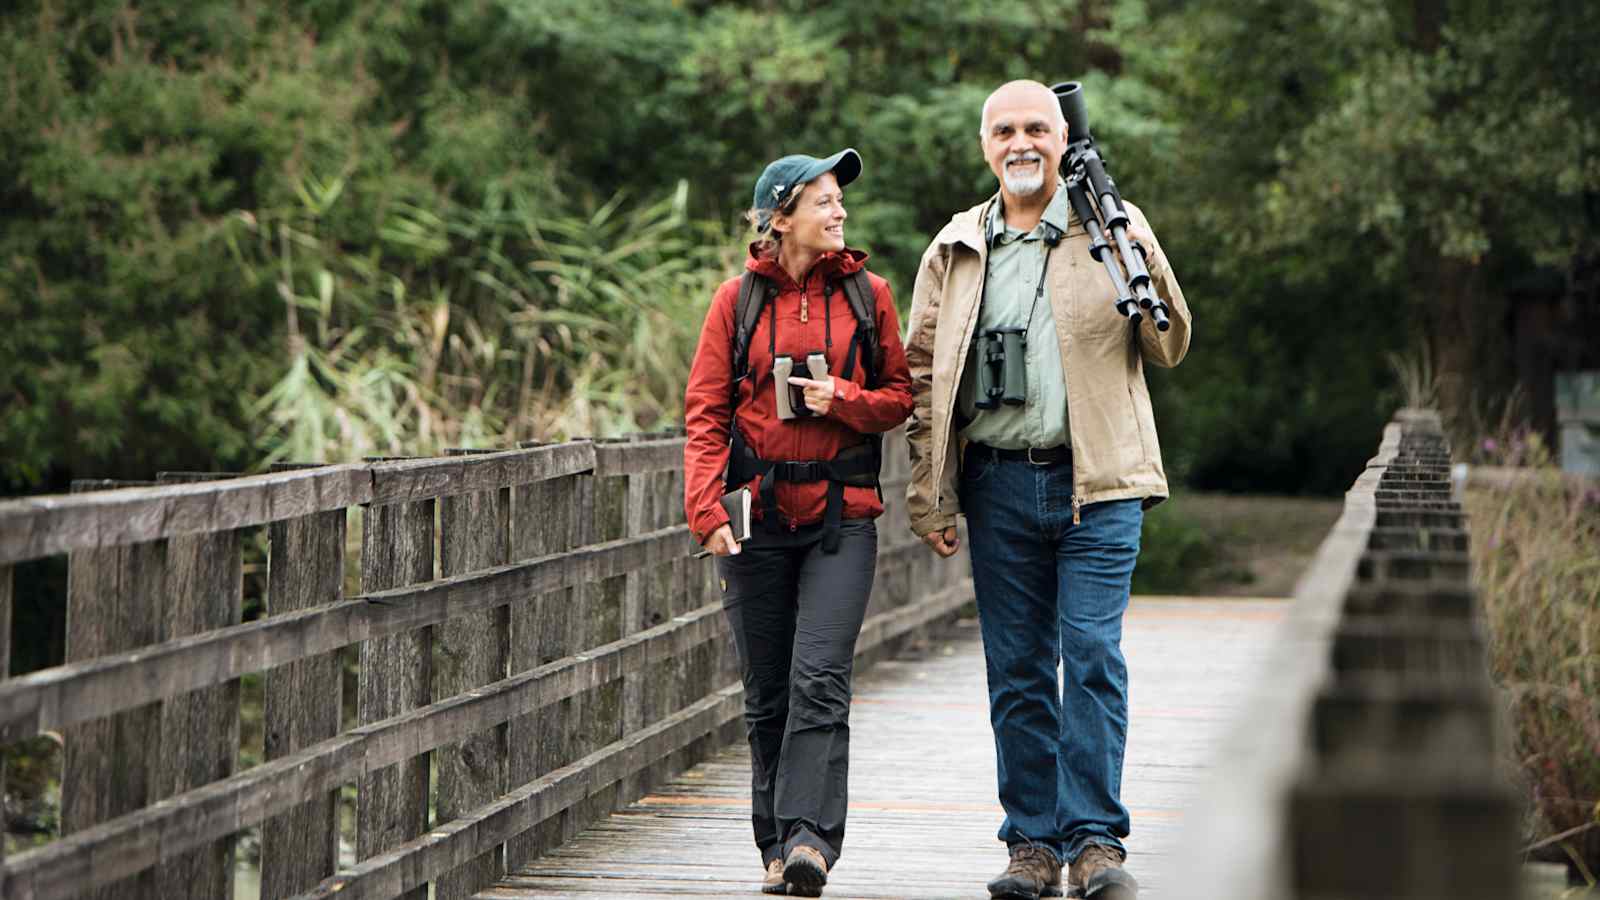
(1021, 96)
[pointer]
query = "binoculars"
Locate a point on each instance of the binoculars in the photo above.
(792, 399)
(1002, 376)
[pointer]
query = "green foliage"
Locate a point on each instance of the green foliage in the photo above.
(182, 183)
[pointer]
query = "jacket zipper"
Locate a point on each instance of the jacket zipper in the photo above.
(805, 299)
(1077, 505)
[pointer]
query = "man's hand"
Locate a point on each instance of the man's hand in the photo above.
(1140, 235)
(819, 394)
(721, 542)
(945, 543)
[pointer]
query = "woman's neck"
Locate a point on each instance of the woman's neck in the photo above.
(795, 260)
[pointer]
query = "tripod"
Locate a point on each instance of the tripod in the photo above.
(1094, 197)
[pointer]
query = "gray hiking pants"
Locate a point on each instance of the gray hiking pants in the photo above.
(795, 613)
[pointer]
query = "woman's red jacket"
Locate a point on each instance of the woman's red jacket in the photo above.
(813, 315)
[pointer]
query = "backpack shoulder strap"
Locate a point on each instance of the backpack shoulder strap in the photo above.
(753, 290)
(858, 290)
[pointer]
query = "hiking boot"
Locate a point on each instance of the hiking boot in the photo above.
(774, 883)
(806, 872)
(1033, 872)
(1097, 874)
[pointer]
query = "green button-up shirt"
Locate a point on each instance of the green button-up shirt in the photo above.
(1012, 298)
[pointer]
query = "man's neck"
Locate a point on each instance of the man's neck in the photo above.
(796, 261)
(1024, 213)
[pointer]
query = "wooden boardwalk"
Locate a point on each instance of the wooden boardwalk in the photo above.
(923, 813)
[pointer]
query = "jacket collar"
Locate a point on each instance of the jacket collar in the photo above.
(969, 227)
(829, 265)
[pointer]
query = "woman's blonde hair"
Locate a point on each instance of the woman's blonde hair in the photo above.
(760, 220)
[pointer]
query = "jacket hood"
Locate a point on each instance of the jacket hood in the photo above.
(844, 262)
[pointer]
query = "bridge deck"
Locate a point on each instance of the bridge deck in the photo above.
(922, 800)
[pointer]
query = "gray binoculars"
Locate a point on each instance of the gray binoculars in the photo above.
(1002, 377)
(792, 399)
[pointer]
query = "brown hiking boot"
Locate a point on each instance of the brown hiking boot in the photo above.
(1033, 872)
(774, 883)
(1097, 874)
(806, 872)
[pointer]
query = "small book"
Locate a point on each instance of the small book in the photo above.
(737, 505)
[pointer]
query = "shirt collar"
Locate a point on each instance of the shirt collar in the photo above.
(1058, 214)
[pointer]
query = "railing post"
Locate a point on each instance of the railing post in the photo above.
(199, 731)
(471, 652)
(302, 699)
(602, 611)
(544, 520)
(113, 604)
(396, 676)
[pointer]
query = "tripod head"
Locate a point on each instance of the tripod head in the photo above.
(1099, 206)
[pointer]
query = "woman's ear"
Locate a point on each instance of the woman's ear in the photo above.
(780, 224)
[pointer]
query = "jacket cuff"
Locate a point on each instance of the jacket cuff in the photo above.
(938, 520)
(845, 391)
(708, 522)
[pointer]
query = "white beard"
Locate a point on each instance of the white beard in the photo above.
(1023, 185)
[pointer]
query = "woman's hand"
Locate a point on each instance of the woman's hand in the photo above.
(819, 394)
(721, 542)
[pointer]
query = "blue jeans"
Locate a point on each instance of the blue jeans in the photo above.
(1050, 591)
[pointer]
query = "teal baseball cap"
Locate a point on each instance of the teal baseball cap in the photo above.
(784, 176)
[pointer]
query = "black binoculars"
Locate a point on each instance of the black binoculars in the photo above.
(792, 399)
(1002, 372)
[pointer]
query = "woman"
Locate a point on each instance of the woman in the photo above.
(796, 590)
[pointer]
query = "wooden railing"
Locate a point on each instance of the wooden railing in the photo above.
(529, 634)
(1367, 764)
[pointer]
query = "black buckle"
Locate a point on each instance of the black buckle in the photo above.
(809, 470)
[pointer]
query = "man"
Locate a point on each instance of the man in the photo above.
(1053, 486)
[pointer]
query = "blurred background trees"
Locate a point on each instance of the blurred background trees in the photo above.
(244, 231)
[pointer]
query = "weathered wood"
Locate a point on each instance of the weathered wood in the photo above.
(544, 521)
(34, 527)
(407, 480)
(637, 457)
(302, 700)
(602, 612)
(65, 695)
(106, 771)
(395, 677)
(108, 851)
(199, 731)
(524, 807)
(470, 651)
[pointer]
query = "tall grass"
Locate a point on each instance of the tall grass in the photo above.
(1536, 552)
(519, 319)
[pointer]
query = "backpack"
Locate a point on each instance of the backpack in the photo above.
(856, 465)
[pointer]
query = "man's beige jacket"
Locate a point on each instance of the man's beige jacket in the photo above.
(1115, 454)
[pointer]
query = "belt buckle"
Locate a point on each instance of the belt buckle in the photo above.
(1034, 462)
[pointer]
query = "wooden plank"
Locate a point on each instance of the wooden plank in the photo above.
(107, 767)
(544, 521)
(637, 457)
(601, 612)
(199, 731)
(470, 651)
(140, 839)
(407, 480)
(34, 527)
(302, 700)
(519, 810)
(64, 695)
(396, 676)
(921, 831)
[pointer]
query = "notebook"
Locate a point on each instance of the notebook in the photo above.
(737, 505)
